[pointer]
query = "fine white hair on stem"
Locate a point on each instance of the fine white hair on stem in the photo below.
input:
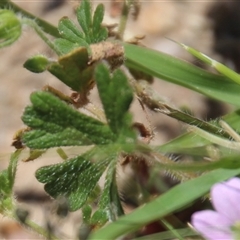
(215, 139)
(230, 130)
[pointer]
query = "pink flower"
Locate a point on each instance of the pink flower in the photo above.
(224, 222)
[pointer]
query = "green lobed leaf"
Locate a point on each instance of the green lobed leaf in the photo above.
(48, 114)
(116, 96)
(71, 35)
(74, 179)
(182, 73)
(164, 205)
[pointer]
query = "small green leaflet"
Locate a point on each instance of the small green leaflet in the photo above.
(116, 96)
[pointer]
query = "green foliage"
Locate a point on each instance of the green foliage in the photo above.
(116, 96)
(109, 207)
(75, 178)
(92, 30)
(91, 26)
(218, 66)
(182, 73)
(174, 199)
(37, 64)
(192, 144)
(230, 162)
(54, 123)
(10, 27)
(73, 70)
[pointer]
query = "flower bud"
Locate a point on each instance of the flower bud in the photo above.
(37, 64)
(10, 27)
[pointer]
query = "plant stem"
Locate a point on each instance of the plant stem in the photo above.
(46, 27)
(215, 139)
(31, 225)
(123, 20)
(153, 102)
(41, 34)
(38, 229)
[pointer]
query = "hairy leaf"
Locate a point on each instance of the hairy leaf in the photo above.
(74, 71)
(67, 137)
(116, 96)
(53, 120)
(92, 31)
(76, 178)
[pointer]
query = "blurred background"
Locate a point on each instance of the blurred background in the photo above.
(212, 27)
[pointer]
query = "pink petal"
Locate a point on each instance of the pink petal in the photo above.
(226, 199)
(212, 225)
(234, 182)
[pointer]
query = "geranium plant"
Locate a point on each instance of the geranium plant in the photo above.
(90, 55)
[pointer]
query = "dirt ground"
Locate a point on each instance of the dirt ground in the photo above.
(183, 21)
